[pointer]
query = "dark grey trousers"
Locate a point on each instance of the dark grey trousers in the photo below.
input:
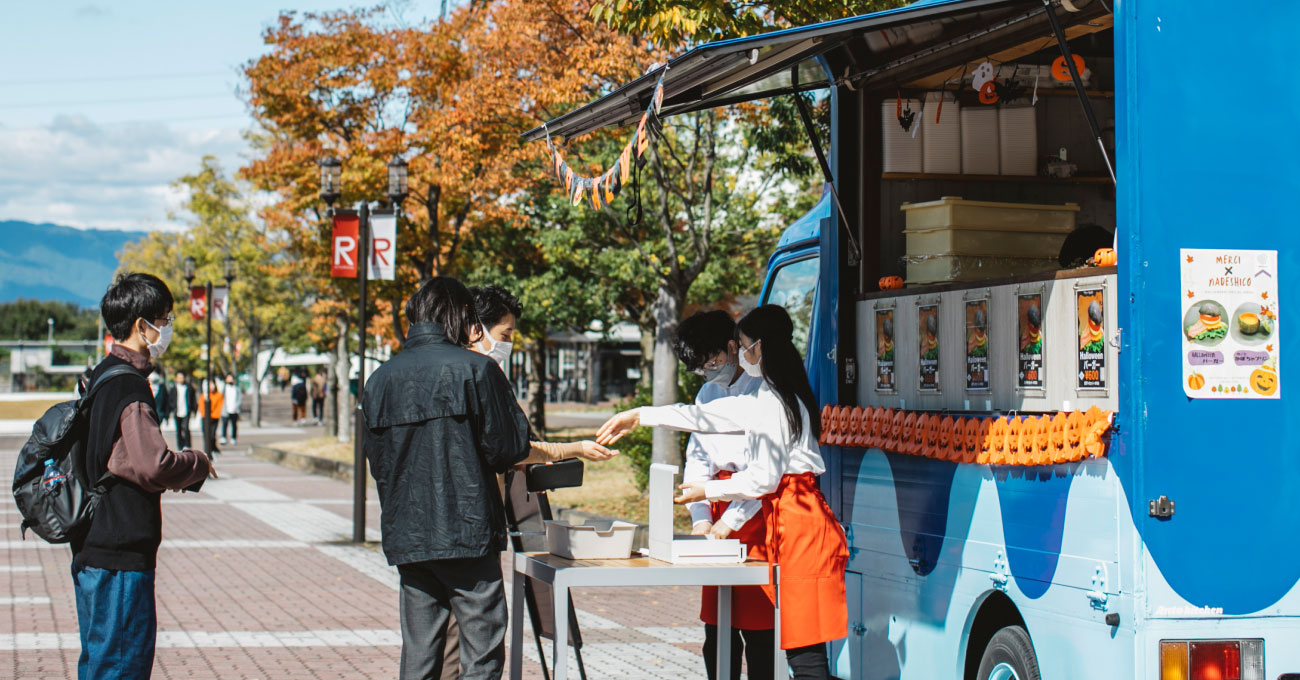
(471, 588)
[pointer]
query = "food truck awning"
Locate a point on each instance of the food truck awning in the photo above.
(884, 50)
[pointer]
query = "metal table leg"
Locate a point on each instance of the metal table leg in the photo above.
(560, 653)
(724, 633)
(517, 626)
(782, 667)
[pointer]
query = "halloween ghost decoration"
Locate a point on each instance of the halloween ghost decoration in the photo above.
(983, 82)
(981, 75)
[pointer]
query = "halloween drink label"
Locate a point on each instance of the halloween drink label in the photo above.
(1029, 342)
(885, 350)
(1092, 339)
(1230, 334)
(928, 325)
(977, 345)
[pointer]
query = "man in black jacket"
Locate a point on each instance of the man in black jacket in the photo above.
(441, 423)
(113, 561)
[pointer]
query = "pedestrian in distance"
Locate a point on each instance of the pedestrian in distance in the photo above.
(114, 560)
(231, 398)
(210, 406)
(184, 403)
(298, 397)
(161, 403)
(435, 459)
(319, 390)
(781, 425)
(706, 345)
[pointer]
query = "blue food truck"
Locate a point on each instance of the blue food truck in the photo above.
(1036, 209)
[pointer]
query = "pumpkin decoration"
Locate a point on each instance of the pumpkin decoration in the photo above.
(1061, 72)
(1043, 440)
(1196, 381)
(972, 442)
(1105, 257)
(890, 282)
(989, 93)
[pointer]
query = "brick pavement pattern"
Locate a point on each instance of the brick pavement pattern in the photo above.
(256, 579)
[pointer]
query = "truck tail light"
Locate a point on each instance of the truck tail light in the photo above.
(1211, 660)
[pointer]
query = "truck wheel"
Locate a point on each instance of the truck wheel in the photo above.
(1009, 656)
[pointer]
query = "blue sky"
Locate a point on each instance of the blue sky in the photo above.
(103, 104)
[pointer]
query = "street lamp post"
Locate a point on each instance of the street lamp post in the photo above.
(228, 270)
(331, 190)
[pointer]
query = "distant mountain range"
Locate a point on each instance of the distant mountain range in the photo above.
(52, 262)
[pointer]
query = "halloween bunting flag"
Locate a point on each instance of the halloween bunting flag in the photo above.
(603, 188)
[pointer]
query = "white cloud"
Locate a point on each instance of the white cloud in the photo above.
(76, 172)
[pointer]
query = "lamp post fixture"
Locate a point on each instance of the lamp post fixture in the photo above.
(331, 190)
(228, 271)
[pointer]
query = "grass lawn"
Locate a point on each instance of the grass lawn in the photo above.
(607, 488)
(26, 410)
(324, 447)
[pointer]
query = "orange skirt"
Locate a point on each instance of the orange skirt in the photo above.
(751, 606)
(807, 542)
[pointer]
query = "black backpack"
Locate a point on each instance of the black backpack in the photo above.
(58, 513)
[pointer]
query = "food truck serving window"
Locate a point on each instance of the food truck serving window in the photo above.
(794, 286)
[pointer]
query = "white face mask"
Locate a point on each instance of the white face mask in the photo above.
(156, 349)
(498, 351)
(721, 375)
(751, 369)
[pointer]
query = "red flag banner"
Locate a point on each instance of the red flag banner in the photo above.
(343, 261)
(198, 303)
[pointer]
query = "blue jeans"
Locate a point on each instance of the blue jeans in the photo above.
(118, 622)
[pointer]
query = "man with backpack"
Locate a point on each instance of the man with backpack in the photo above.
(114, 558)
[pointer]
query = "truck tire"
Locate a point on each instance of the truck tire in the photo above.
(1009, 656)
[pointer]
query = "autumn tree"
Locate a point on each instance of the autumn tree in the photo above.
(675, 23)
(450, 96)
(263, 305)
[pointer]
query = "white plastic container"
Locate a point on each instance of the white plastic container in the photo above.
(1018, 140)
(902, 148)
(979, 141)
(609, 540)
(941, 149)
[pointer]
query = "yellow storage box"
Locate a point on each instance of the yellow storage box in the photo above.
(953, 239)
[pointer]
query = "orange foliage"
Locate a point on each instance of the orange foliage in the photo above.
(451, 97)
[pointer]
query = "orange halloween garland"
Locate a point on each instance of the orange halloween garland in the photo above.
(601, 190)
(1061, 437)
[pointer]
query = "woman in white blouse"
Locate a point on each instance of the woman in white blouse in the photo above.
(781, 425)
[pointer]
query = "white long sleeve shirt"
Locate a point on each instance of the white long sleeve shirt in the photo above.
(707, 454)
(772, 451)
(231, 397)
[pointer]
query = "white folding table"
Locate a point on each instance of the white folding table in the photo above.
(563, 574)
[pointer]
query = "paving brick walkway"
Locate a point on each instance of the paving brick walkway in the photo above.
(256, 580)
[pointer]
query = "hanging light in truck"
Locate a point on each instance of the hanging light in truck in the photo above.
(1211, 660)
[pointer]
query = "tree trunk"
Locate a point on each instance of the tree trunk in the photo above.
(257, 381)
(647, 359)
(343, 404)
(667, 445)
(537, 385)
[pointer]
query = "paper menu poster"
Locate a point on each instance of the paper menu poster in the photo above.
(1029, 344)
(977, 345)
(1091, 304)
(885, 350)
(928, 332)
(1230, 331)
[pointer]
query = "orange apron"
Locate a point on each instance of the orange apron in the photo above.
(809, 545)
(751, 606)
